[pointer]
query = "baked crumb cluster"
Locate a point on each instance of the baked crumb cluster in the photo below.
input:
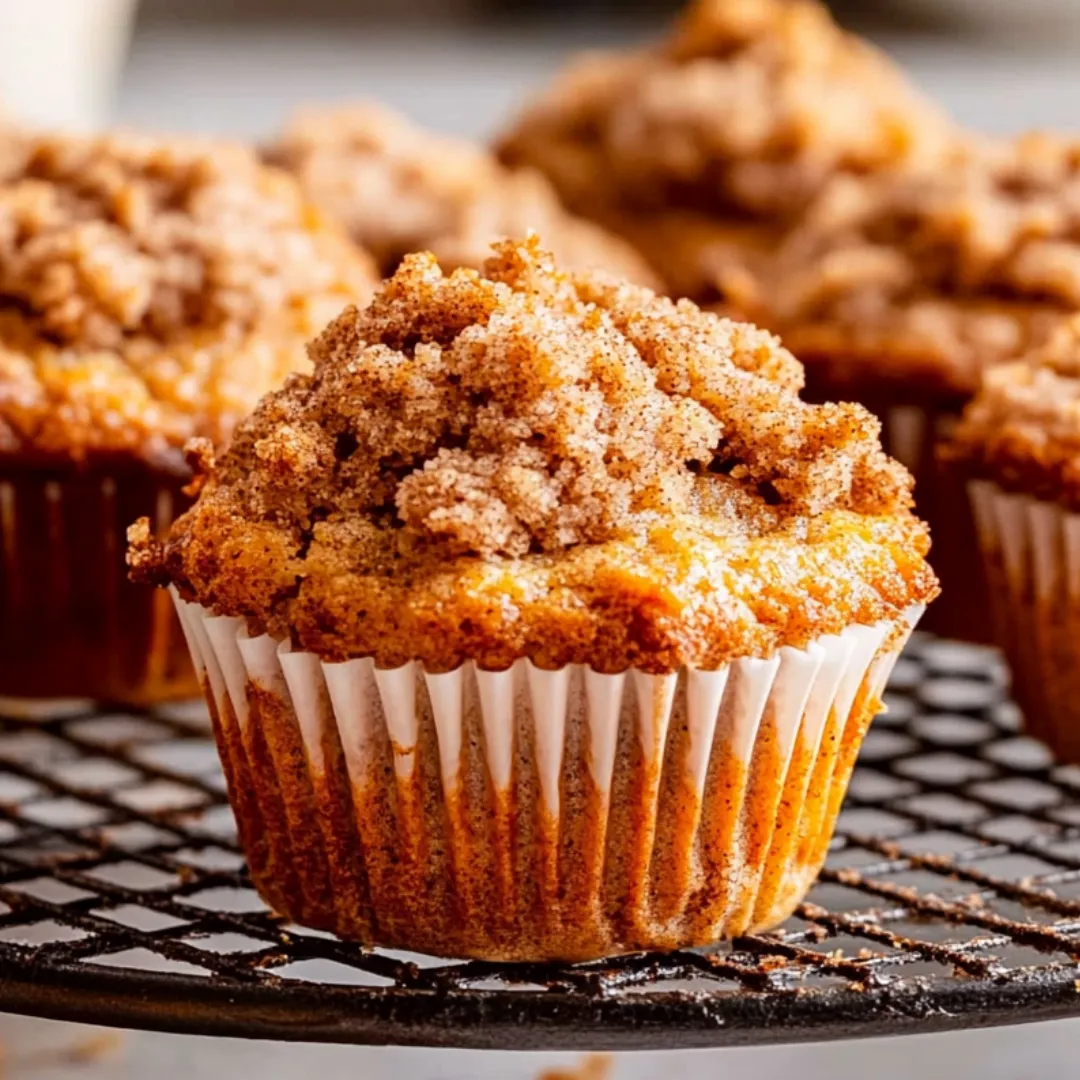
(399, 189)
(1022, 429)
(501, 465)
(528, 411)
(151, 290)
(968, 265)
(748, 107)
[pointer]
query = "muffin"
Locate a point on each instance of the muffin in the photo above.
(150, 291)
(899, 291)
(1018, 448)
(543, 620)
(722, 134)
(398, 189)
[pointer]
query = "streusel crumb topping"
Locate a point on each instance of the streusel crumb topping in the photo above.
(964, 266)
(562, 466)
(399, 188)
(1022, 429)
(747, 107)
(152, 290)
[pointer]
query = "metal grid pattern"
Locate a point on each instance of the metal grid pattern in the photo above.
(951, 897)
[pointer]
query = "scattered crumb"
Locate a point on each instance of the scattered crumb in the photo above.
(95, 1047)
(591, 1067)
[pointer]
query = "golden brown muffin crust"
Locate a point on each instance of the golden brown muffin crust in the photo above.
(399, 188)
(937, 275)
(1022, 429)
(558, 466)
(747, 108)
(151, 290)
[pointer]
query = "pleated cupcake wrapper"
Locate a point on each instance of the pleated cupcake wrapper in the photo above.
(1031, 550)
(531, 814)
(71, 624)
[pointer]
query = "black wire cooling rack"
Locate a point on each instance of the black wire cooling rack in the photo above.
(951, 898)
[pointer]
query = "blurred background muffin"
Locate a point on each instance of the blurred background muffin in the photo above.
(723, 132)
(899, 290)
(399, 188)
(1018, 449)
(150, 290)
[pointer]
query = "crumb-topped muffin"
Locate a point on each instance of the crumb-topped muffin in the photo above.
(739, 117)
(1022, 428)
(1018, 447)
(900, 291)
(917, 283)
(552, 538)
(399, 189)
(150, 291)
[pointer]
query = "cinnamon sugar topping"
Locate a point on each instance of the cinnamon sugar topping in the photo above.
(152, 290)
(398, 189)
(748, 107)
(562, 466)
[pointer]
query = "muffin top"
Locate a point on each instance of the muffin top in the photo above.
(1022, 429)
(940, 274)
(525, 462)
(746, 108)
(398, 189)
(152, 290)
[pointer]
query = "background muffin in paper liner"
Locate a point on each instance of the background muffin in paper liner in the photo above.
(543, 619)
(899, 291)
(1018, 448)
(150, 290)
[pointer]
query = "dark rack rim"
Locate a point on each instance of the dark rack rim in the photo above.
(525, 1020)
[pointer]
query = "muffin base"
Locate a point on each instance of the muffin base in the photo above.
(1031, 551)
(536, 815)
(71, 624)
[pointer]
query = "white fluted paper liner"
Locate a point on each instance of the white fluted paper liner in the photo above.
(530, 814)
(1031, 550)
